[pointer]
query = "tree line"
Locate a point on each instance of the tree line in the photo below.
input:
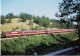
(10, 16)
(42, 21)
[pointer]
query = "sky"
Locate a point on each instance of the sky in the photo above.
(34, 7)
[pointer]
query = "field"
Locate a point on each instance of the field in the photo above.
(15, 24)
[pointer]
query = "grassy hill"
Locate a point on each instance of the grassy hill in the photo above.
(25, 21)
(15, 24)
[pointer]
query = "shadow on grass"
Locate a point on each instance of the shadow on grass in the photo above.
(61, 39)
(63, 43)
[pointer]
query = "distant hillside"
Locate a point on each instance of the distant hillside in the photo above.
(16, 25)
(25, 21)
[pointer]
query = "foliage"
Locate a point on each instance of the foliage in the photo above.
(9, 21)
(3, 19)
(13, 29)
(31, 24)
(70, 7)
(70, 36)
(3, 35)
(23, 29)
(29, 44)
(46, 22)
(22, 16)
(15, 16)
(43, 21)
(20, 45)
(25, 16)
(9, 16)
(17, 27)
(36, 28)
(23, 20)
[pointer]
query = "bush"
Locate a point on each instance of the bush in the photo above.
(18, 46)
(13, 29)
(23, 20)
(29, 44)
(23, 29)
(36, 28)
(3, 35)
(3, 19)
(17, 27)
(9, 21)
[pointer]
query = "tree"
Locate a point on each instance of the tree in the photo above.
(69, 7)
(42, 21)
(45, 21)
(22, 16)
(9, 16)
(36, 19)
(3, 19)
(15, 16)
(25, 16)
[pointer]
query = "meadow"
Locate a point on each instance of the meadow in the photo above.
(16, 25)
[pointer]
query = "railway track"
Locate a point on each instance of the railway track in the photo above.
(37, 32)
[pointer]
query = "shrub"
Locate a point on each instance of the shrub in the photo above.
(3, 35)
(17, 27)
(13, 29)
(3, 19)
(29, 44)
(23, 29)
(9, 21)
(18, 46)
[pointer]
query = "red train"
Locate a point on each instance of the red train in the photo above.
(36, 32)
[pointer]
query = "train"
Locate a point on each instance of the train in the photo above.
(35, 32)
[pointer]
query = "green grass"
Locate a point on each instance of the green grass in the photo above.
(29, 44)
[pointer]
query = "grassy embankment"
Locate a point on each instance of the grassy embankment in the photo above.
(41, 44)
